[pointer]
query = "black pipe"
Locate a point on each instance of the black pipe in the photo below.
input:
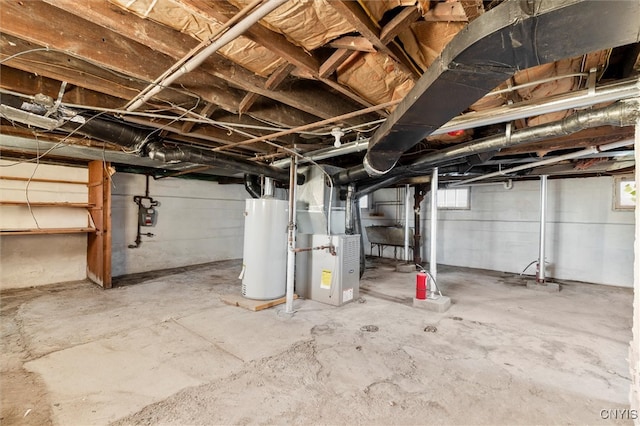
(110, 131)
(96, 127)
(358, 230)
(512, 36)
(252, 185)
(184, 153)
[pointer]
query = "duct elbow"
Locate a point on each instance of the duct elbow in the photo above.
(373, 171)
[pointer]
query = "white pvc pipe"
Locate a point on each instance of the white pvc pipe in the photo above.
(552, 160)
(291, 236)
(407, 208)
(233, 33)
(433, 269)
(541, 275)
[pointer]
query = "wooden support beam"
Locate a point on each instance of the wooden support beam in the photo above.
(356, 16)
(272, 82)
(103, 48)
(335, 60)
(446, 12)
(399, 23)
(99, 243)
(222, 11)
(175, 45)
(360, 44)
(208, 109)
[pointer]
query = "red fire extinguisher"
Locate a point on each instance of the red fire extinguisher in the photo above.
(422, 286)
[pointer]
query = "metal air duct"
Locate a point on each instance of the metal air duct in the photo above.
(512, 36)
(171, 153)
(622, 113)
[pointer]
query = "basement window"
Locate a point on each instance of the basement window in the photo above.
(454, 199)
(625, 193)
(364, 202)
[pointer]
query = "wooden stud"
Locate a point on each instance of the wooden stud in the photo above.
(360, 44)
(335, 60)
(99, 243)
(208, 109)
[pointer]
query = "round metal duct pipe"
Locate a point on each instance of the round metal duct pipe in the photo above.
(512, 36)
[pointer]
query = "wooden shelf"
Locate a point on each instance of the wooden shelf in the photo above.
(42, 231)
(46, 204)
(26, 179)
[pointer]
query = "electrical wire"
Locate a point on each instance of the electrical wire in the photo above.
(98, 65)
(26, 189)
(24, 52)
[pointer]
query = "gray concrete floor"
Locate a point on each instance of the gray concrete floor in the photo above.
(167, 351)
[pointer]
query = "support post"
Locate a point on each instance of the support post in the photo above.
(634, 348)
(99, 242)
(418, 196)
(291, 235)
(407, 208)
(433, 268)
(541, 270)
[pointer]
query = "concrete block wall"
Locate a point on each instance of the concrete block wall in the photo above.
(586, 239)
(198, 222)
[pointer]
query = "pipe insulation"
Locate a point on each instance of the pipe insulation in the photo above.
(182, 153)
(622, 113)
(95, 126)
(571, 156)
(514, 35)
(505, 113)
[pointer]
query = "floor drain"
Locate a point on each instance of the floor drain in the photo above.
(430, 329)
(370, 328)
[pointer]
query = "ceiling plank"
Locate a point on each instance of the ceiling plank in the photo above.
(334, 61)
(399, 23)
(361, 44)
(176, 45)
(59, 66)
(272, 82)
(30, 84)
(446, 12)
(353, 13)
(206, 111)
(222, 11)
(102, 47)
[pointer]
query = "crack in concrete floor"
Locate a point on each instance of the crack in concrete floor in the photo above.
(501, 355)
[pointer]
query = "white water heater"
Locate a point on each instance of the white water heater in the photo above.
(264, 265)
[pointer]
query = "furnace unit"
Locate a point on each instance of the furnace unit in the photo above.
(329, 275)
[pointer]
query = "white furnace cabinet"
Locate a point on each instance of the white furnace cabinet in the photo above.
(264, 264)
(325, 277)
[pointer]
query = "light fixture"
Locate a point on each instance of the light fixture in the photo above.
(337, 133)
